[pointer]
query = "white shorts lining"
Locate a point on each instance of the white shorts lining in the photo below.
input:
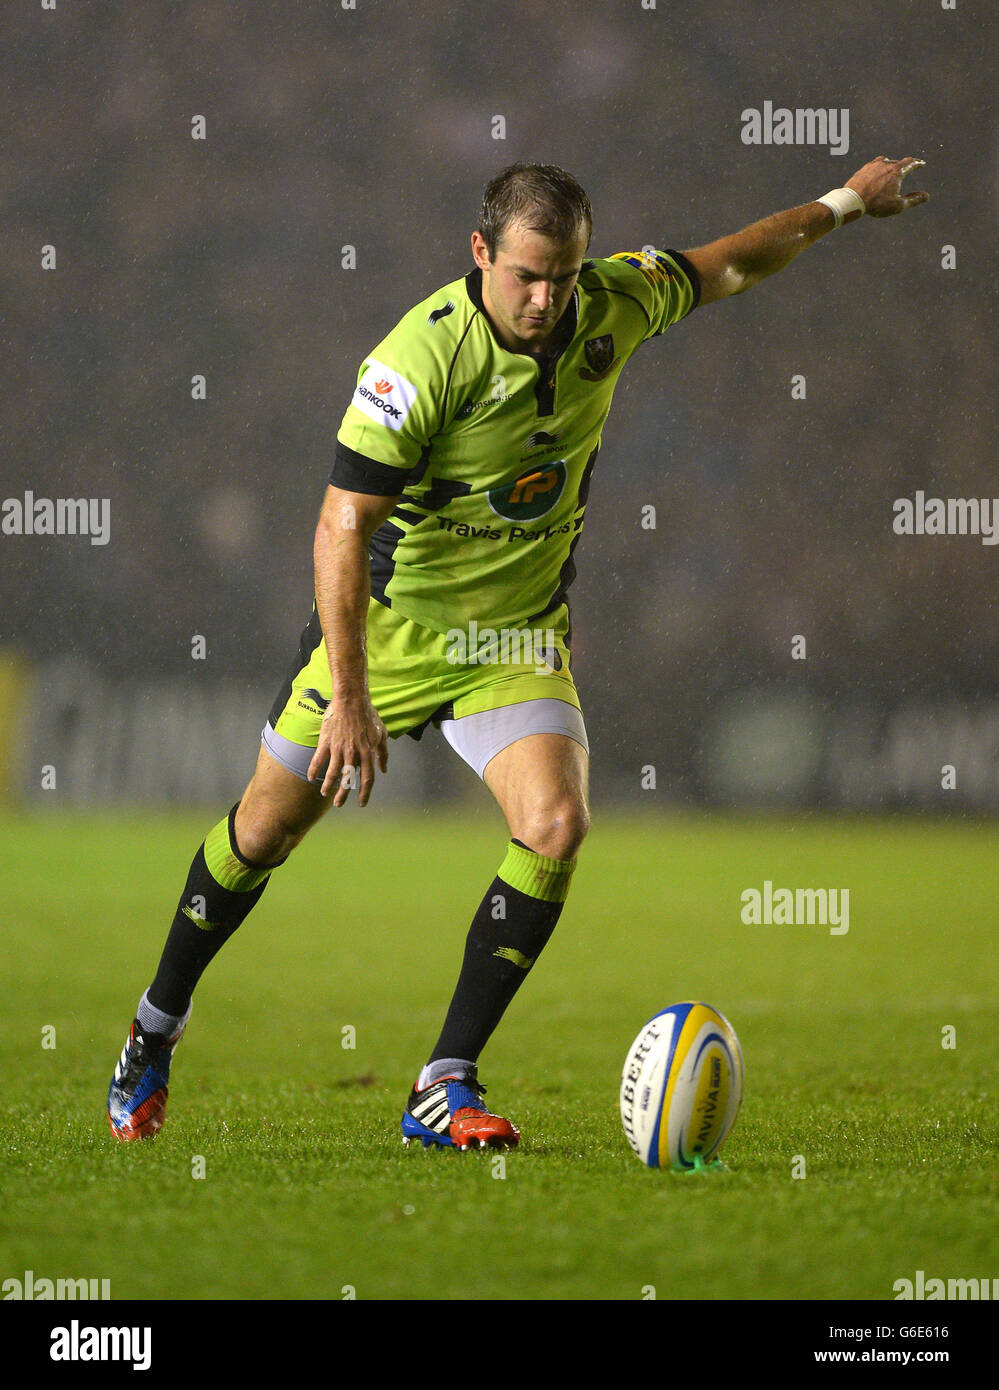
(476, 738)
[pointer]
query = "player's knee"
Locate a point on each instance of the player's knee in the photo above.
(265, 834)
(557, 830)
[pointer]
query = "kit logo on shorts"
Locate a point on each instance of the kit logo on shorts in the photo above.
(383, 394)
(311, 694)
(532, 495)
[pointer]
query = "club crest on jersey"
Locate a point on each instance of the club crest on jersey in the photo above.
(383, 394)
(600, 356)
(533, 494)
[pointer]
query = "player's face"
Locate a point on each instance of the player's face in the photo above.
(527, 287)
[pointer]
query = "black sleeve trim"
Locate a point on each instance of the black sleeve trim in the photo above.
(357, 473)
(691, 273)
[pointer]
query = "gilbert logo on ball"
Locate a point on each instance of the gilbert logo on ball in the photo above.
(681, 1087)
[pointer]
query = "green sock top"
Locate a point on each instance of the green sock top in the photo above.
(545, 879)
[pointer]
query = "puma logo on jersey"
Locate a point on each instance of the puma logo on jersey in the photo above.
(436, 315)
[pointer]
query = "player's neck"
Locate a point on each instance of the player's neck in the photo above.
(534, 347)
(519, 346)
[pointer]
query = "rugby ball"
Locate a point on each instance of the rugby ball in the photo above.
(681, 1087)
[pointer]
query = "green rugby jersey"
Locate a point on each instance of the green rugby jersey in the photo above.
(490, 451)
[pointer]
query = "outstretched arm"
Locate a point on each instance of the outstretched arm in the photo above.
(736, 263)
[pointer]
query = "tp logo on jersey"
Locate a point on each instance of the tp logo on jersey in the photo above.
(533, 494)
(383, 395)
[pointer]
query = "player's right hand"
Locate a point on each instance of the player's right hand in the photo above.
(879, 183)
(352, 739)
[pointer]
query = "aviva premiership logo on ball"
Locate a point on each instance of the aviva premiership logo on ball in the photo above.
(532, 495)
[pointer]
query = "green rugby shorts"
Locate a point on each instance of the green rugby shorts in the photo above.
(418, 677)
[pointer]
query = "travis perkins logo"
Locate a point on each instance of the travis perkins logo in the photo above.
(532, 495)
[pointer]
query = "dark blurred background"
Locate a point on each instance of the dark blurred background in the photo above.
(372, 128)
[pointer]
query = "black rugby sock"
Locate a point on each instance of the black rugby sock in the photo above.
(221, 889)
(509, 931)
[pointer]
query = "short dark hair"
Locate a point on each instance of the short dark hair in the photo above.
(542, 197)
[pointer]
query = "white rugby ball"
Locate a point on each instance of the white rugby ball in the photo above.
(681, 1087)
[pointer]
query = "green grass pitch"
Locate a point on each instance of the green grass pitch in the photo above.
(307, 1192)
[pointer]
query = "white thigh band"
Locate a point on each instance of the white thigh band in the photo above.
(479, 737)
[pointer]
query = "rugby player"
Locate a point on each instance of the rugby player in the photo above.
(444, 553)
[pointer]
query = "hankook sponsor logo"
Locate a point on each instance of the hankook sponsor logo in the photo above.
(383, 394)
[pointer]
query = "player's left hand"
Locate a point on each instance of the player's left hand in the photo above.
(879, 183)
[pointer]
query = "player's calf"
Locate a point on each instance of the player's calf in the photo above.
(224, 883)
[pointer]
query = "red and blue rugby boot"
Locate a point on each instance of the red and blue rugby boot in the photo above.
(137, 1095)
(450, 1113)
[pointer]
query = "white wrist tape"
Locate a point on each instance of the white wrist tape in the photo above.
(840, 201)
